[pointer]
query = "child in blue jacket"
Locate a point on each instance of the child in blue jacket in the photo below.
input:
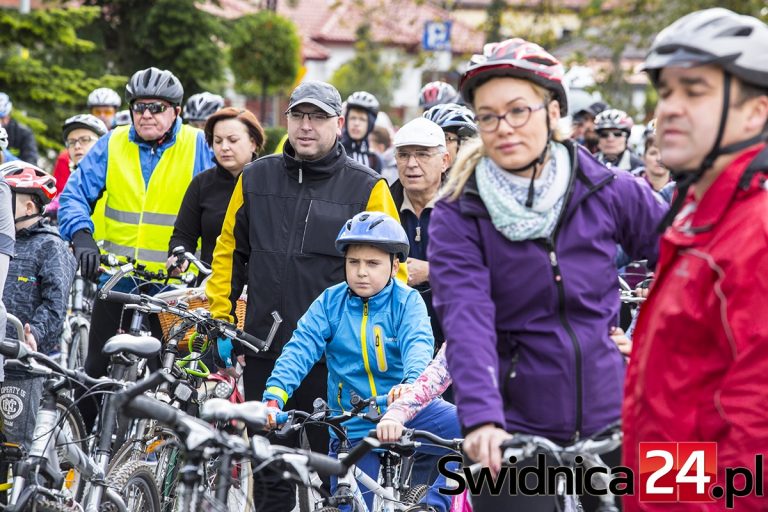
(374, 332)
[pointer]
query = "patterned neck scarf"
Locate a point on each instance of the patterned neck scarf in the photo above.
(504, 195)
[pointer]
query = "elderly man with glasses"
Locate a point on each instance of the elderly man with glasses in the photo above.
(143, 170)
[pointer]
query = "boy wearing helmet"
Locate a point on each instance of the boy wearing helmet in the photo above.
(360, 119)
(373, 330)
(697, 371)
(36, 290)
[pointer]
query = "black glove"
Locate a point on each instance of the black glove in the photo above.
(86, 254)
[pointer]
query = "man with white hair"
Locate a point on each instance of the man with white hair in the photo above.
(422, 159)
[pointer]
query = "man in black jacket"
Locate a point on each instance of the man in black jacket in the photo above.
(21, 140)
(278, 238)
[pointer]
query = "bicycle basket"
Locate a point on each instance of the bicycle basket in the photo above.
(195, 298)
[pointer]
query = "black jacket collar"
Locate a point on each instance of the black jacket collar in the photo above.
(319, 169)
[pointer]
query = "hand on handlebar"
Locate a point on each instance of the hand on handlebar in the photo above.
(226, 352)
(483, 445)
(273, 409)
(389, 430)
(86, 254)
(174, 267)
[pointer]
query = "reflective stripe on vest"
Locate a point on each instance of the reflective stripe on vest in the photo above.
(138, 219)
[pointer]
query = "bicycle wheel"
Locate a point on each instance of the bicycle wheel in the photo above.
(241, 490)
(47, 505)
(135, 482)
(78, 348)
(73, 429)
(414, 495)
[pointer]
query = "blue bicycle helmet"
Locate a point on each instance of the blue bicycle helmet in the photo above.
(377, 229)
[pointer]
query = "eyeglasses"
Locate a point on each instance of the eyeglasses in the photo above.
(83, 141)
(604, 134)
(103, 111)
(451, 139)
(314, 117)
(155, 107)
(515, 117)
(421, 156)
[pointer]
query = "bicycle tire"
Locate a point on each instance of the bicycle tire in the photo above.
(328, 509)
(78, 348)
(135, 481)
(73, 428)
(414, 495)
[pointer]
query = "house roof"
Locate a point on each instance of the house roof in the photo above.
(321, 22)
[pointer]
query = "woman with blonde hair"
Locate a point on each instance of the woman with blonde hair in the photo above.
(522, 255)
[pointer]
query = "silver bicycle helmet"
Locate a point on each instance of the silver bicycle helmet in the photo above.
(614, 119)
(734, 42)
(154, 83)
(363, 100)
(436, 93)
(104, 96)
(5, 104)
(3, 139)
(200, 106)
(86, 121)
(453, 118)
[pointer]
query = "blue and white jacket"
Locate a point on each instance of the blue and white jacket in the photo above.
(370, 346)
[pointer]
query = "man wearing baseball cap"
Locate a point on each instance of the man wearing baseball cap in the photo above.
(422, 159)
(278, 238)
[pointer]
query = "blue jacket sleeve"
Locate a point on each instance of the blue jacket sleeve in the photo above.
(417, 343)
(305, 348)
(203, 155)
(83, 189)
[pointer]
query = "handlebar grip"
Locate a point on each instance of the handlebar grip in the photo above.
(145, 407)
(120, 297)
(253, 340)
(282, 417)
(325, 465)
(10, 349)
(360, 450)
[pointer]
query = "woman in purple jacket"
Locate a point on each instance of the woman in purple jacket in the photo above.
(522, 265)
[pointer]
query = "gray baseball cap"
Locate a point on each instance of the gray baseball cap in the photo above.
(320, 94)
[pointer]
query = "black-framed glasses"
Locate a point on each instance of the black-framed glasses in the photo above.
(314, 117)
(515, 117)
(604, 134)
(155, 107)
(83, 141)
(421, 156)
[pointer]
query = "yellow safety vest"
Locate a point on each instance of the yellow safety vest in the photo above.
(138, 219)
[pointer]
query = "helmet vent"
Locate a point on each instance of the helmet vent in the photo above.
(736, 32)
(374, 223)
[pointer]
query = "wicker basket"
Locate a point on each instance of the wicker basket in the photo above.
(195, 298)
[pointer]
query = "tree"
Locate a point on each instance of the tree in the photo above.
(167, 34)
(619, 26)
(366, 71)
(265, 54)
(34, 49)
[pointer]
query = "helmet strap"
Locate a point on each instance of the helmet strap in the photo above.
(686, 178)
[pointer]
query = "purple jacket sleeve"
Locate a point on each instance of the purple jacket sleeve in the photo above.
(638, 213)
(461, 287)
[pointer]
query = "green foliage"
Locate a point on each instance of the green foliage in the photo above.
(274, 136)
(493, 21)
(167, 34)
(265, 53)
(366, 71)
(633, 24)
(33, 51)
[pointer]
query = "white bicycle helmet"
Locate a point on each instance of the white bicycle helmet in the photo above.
(104, 97)
(200, 106)
(363, 100)
(3, 139)
(5, 104)
(86, 121)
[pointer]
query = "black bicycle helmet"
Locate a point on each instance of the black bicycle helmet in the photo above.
(154, 83)
(86, 121)
(364, 101)
(199, 107)
(453, 118)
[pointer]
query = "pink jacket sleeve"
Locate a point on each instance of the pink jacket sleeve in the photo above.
(429, 385)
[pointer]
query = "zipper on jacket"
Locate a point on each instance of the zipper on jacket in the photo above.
(291, 236)
(364, 343)
(574, 340)
(417, 238)
(381, 355)
(338, 396)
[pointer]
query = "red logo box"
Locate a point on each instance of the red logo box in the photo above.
(677, 472)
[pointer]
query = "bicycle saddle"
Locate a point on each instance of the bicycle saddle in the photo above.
(141, 346)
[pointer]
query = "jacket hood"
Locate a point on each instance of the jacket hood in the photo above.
(332, 162)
